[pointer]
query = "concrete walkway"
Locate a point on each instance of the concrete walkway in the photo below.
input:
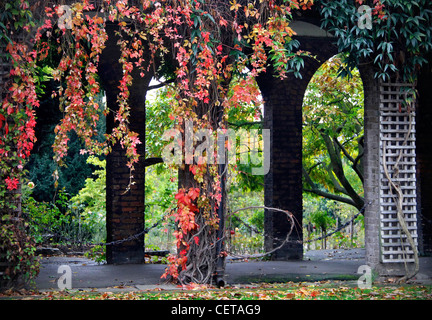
(317, 265)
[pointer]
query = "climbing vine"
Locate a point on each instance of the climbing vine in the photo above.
(207, 42)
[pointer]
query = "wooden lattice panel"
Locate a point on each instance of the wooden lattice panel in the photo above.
(397, 146)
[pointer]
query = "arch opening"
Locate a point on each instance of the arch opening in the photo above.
(332, 159)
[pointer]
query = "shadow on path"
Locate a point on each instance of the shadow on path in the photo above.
(317, 265)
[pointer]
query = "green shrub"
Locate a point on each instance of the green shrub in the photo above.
(90, 201)
(97, 253)
(17, 253)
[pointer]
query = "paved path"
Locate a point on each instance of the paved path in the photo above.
(317, 265)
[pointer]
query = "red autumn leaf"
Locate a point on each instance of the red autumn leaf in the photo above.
(193, 169)
(315, 293)
(223, 22)
(12, 184)
(2, 118)
(194, 193)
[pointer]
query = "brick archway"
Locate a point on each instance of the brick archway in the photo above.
(283, 100)
(283, 115)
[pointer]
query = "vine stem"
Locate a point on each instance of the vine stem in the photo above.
(297, 241)
(290, 218)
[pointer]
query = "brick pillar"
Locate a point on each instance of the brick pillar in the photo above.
(283, 114)
(283, 100)
(371, 163)
(125, 207)
(386, 126)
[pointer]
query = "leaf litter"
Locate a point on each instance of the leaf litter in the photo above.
(322, 290)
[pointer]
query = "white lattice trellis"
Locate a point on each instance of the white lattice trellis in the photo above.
(397, 145)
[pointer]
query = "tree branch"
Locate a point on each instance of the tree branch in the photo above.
(336, 183)
(357, 165)
(245, 123)
(337, 167)
(331, 196)
(325, 194)
(344, 150)
(354, 162)
(152, 161)
(160, 85)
